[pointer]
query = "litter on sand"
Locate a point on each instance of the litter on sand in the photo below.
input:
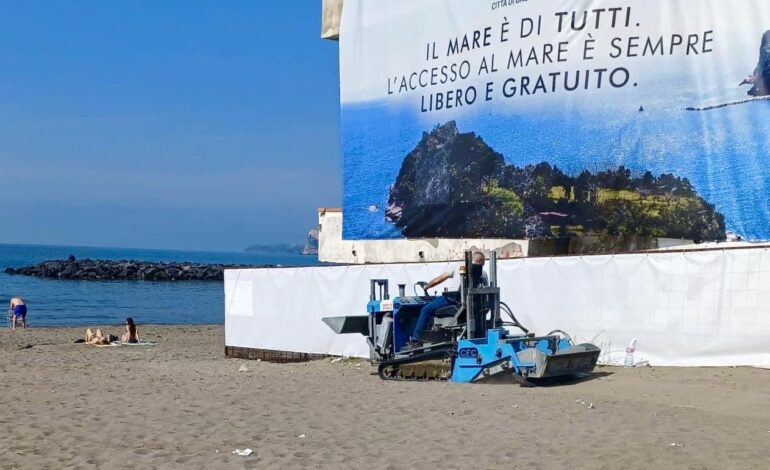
(301, 436)
(243, 453)
(590, 406)
(243, 368)
(674, 444)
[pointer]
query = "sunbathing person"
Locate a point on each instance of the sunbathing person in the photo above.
(132, 332)
(96, 338)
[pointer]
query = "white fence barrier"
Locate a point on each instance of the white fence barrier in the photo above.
(709, 308)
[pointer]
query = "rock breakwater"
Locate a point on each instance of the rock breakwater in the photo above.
(88, 269)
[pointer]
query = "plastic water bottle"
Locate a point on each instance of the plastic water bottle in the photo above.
(630, 353)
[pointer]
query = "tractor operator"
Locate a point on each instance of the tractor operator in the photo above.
(442, 301)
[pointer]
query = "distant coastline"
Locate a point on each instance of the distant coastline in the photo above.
(309, 248)
(277, 248)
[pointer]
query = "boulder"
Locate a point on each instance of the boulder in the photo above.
(69, 270)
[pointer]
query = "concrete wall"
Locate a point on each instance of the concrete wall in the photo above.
(332, 248)
(330, 19)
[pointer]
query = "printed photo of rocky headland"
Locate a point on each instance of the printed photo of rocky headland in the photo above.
(454, 185)
(758, 81)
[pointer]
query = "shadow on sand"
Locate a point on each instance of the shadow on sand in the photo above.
(508, 379)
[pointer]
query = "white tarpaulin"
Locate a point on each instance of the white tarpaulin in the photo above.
(707, 308)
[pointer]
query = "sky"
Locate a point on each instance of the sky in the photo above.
(177, 124)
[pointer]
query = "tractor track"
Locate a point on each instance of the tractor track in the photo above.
(429, 366)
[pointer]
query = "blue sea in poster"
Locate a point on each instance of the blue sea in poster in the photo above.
(721, 151)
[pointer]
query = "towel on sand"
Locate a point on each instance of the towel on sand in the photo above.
(120, 343)
(140, 343)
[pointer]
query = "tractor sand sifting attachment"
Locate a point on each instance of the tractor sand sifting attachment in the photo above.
(468, 339)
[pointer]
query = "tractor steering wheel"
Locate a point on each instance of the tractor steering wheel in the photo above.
(422, 285)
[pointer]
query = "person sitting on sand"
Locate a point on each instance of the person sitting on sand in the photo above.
(132, 332)
(18, 310)
(97, 338)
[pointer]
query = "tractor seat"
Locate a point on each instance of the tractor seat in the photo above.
(445, 312)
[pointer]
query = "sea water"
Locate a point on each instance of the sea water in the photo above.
(54, 302)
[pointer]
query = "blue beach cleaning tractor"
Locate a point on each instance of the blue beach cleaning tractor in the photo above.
(468, 339)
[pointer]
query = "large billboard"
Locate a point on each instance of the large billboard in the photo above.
(552, 118)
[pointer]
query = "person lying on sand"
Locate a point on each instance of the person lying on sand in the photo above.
(132, 332)
(97, 338)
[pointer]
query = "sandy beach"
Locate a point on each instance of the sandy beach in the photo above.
(181, 404)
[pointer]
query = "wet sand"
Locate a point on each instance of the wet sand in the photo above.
(181, 404)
